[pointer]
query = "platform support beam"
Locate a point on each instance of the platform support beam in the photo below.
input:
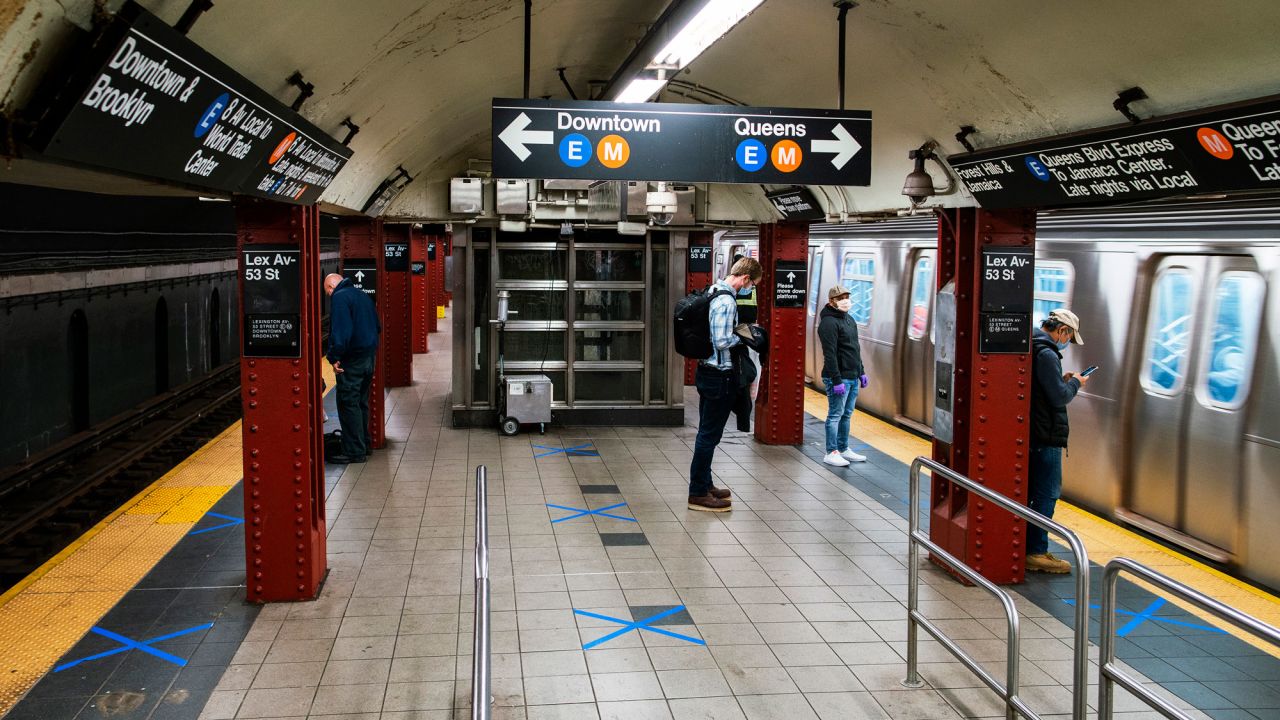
(360, 241)
(285, 551)
(435, 272)
(992, 404)
(696, 281)
(418, 281)
(397, 333)
(779, 417)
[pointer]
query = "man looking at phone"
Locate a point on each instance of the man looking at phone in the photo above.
(1051, 392)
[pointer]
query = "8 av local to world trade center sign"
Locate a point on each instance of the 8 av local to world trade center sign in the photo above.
(587, 140)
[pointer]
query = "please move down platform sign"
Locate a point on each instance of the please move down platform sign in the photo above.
(587, 140)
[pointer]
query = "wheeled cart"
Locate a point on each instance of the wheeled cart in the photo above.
(526, 400)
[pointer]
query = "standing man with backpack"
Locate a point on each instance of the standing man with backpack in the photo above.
(716, 380)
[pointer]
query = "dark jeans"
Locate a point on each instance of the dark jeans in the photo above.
(1044, 487)
(353, 405)
(716, 393)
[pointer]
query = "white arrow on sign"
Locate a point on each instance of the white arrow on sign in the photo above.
(791, 278)
(360, 276)
(844, 146)
(516, 136)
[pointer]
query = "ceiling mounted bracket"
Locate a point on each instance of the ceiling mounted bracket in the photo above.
(567, 86)
(844, 6)
(352, 129)
(962, 137)
(193, 13)
(1123, 100)
(305, 89)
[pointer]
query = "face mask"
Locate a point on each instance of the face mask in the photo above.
(844, 305)
(745, 292)
(1063, 344)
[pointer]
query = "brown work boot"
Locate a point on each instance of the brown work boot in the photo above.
(721, 493)
(709, 503)
(1047, 563)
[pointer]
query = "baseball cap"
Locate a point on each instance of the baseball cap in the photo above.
(836, 292)
(1068, 318)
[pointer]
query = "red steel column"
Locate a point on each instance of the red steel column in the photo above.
(697, 281)
(780, 402)
(360, 242)
(448, 252)
(284, 514)
(418, 303)
(433, 251)
(396, 332)
(437, 274)
(992, 405)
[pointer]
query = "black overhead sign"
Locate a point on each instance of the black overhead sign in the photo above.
(796, 204)
(789, 283)
(363, 273)
(147, 101)
(1230, 148)
(589, 140)
(699, 259)
(1006, 299)
(271, 322)
(396, 256)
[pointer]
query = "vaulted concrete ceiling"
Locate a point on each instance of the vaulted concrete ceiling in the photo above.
(418, 76)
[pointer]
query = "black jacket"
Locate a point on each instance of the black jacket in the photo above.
(841, 357)
(1049, 393)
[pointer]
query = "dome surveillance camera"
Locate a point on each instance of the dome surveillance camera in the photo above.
(919, 184)
(661, 205)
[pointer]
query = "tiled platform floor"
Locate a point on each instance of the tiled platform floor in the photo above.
(797, 594)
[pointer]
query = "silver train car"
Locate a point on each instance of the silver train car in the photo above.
(1178, 433)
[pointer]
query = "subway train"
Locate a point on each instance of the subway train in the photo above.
(1178, 432)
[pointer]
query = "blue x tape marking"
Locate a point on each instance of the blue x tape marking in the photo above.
(581, 512)
(234, 522)
(144, 646)
(575, 451)
(1148, 613)
(637, 625)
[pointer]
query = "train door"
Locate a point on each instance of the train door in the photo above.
(916, 372)
(813, 353)
(1203, 320)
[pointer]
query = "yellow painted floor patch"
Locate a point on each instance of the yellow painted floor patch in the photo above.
(1103, 539)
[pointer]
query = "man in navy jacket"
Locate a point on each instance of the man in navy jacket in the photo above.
(354, 329)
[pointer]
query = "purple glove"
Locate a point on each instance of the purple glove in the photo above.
(839, 389)
(862, 381)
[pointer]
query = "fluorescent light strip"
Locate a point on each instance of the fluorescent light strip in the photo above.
(640, 90)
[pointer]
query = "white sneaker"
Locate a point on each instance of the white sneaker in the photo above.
(852, 456)
(834, 458)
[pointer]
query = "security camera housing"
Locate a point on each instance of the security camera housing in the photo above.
(661, 206)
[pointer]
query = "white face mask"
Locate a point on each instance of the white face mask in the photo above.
(844, 305)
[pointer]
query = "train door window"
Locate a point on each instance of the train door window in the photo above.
(1230, 350)
(1168, 332)
(858, 276)
(815, 282)
(720, 260)
(1053, 281)
(734, 252)
(921, 283)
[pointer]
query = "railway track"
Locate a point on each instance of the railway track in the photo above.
(52, 498)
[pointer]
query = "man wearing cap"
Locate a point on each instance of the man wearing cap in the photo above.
(1051, 391)
(842, 374)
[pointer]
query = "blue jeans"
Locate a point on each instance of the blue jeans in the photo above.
(716, 393)
(1044, 487)
(353, 405)
(839, 410)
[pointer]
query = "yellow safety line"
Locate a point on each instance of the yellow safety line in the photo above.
(905, 447)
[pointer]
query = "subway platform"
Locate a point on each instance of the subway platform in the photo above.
(610, 599)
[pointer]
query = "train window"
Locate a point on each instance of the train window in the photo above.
(921, 283)
(734, 252)
(1053, 282)
(815, 282)
(1168, 332)
(1237, 314)
(720, 261)
(858, 277)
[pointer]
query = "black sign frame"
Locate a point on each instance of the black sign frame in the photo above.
(680, 142)
(1004, 333)
(790, 292)
(395, 256)
(368, 283)
(700, 259)
(796, 203)
(271, 291)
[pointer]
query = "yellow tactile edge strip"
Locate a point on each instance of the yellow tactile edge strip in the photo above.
(48, 612)
(1103, 539)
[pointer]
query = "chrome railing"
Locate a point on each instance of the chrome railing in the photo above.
(1009, 690)
(481, 676)
(1110, 674)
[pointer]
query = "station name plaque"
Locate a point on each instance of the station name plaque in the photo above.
(396, 256)
(699, 259)
(272, 301)
(1006, 300)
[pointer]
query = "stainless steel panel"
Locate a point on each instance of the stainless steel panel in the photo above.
(529, 398)
(466, 196)
(512, 197)
(567, 184)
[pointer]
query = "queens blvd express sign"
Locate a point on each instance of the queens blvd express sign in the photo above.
(683, 143)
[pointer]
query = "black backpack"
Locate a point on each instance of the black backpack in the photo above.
(692, 318)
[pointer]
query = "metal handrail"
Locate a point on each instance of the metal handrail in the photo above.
(916, 539)
(481, 680)
(1110, 674)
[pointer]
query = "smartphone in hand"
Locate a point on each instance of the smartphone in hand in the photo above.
(1088, 371)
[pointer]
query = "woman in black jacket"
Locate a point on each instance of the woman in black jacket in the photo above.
(842, 374)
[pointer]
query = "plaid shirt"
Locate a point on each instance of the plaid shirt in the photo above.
(723, 316)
